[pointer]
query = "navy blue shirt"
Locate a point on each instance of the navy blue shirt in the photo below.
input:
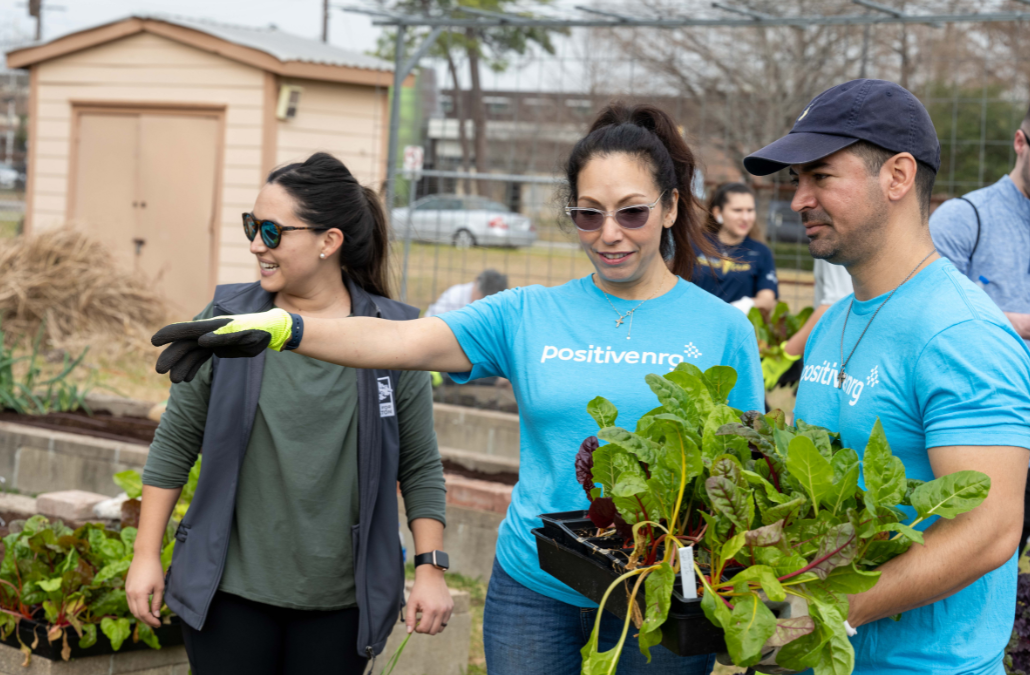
(746, 269)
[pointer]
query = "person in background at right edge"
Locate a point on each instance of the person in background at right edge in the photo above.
(924, 352)
(986, 235)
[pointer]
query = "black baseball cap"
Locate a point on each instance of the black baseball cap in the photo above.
(880, 112)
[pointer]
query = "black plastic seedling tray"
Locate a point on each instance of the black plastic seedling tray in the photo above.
(588, 568)
(169, 635)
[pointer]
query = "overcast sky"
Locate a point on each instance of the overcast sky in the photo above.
(301, 17)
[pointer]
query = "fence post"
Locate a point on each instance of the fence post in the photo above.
(395, 121)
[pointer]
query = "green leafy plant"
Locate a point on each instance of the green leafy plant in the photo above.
(779, 327)
(132, 483)
(771, 510)
(73, 581)
(32, 394)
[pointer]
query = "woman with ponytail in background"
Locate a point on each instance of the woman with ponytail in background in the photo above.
(630, 201)
(289, 560)
(744, 274)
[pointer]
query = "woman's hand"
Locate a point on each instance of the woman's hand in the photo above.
(145, 589)
(430, 597)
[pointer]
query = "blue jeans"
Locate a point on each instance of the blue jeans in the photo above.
(526, 633)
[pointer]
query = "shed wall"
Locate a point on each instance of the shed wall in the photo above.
(146, 68)
(348, 121)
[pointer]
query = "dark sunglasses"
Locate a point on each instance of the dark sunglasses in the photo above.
(628, 217)
(271, 233)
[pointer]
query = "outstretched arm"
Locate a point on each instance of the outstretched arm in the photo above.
(361, 342)
(356, 342)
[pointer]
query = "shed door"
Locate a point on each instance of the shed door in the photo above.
(146, 187)
(105, 199)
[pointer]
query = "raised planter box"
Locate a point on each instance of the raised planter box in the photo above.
(590, 568)
(168, 635)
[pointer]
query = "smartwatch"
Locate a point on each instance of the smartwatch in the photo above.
(437, 559)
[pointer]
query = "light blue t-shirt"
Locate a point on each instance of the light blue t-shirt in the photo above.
(560, 348)
(940, 366)
(1003, 254)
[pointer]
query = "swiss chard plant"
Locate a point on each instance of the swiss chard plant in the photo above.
(131, 481)
(72, 581)
(774, 328)
(771, 510)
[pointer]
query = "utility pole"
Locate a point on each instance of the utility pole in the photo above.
(325, 21)
(36, 10)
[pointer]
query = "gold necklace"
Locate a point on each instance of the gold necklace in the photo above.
(629, 314)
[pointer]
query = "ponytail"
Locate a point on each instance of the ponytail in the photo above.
(649, 132)
(329, 197)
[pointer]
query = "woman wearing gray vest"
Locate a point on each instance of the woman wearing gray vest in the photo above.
(630, 201)
(288, 560)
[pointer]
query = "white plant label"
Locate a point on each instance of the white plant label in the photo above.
(687, 573)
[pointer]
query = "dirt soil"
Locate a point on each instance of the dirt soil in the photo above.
(505, 477)
(100, 425)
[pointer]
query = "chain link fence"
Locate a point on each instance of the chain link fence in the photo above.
(495, 133)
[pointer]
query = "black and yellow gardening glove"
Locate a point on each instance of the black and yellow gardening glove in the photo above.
(773, 368)
(228, 337)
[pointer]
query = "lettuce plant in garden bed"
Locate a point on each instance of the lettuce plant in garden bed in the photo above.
(771, 511)
(71, 583)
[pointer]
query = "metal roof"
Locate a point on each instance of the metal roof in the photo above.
(278, 43)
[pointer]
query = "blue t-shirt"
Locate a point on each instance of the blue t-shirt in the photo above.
(1003, 253)
(746, 269)
(560, 348)
(940, 366)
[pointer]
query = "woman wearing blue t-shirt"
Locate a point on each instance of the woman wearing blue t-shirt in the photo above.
(629, 198)
(744, 274)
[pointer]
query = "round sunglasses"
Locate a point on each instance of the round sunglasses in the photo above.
(628, 217)
(271, 232)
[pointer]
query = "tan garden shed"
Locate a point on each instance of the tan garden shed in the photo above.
(154, 133)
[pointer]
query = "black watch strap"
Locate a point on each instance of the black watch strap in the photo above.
(437, 559)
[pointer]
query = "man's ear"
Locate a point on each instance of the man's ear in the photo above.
(1021, 142)
(898, 175)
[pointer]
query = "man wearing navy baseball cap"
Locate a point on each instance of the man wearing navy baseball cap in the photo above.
(926, 352)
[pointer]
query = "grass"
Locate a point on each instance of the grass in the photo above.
(8, 228)
(433, 268)
(476, 588)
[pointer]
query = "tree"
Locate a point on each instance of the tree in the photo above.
(492, 45)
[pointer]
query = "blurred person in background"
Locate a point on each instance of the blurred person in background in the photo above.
(486, 284)
(288, 560)
(745, 277)
(986, 235)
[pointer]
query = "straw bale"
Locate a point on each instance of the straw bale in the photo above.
(73, 282)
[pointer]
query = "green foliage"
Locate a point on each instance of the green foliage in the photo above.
(132, 482)
(32, 394)
(772, 510)
(970, 121)
(777, 328)
(75, 577)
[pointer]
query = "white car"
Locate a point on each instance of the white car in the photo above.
(9, 176)
(463, 220)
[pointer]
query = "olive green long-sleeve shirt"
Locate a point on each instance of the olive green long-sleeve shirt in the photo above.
(297, 499)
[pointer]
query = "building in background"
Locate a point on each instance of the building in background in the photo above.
(155, 133)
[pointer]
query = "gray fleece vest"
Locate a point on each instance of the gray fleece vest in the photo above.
(203, 537)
